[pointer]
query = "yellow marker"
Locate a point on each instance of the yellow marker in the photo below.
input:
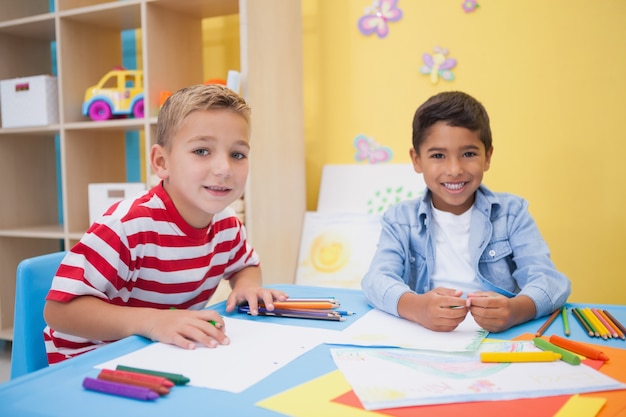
(504, 357)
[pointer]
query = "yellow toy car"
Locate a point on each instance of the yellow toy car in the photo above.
(118, 94)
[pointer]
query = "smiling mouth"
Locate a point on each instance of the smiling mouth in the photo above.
(454, 186)
(218, 189)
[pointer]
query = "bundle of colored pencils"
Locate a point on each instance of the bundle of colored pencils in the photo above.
(303, 308)
(594, 321)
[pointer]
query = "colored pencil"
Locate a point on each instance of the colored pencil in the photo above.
(582, 322)
(617, 324)
(505, 357)
(565, 321)
(548, 322)
(584, 316)
(608, 323)
(317, 305)
(610, 329)
(566, 355)
(303, 315)
(602, 331)
(577, 347)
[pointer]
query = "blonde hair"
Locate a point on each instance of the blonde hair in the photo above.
(198, 97)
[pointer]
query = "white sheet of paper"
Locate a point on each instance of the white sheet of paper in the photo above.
(379, 329)
(256, 350)
(406, 377)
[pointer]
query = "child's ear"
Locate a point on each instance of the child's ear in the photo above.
(415, 159)
(158, 159)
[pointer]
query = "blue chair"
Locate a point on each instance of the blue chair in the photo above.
(34, 277)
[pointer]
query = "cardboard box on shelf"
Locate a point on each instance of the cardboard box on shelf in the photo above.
(29, 101)
(103, 195)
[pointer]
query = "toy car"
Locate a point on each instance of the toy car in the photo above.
(118, 94)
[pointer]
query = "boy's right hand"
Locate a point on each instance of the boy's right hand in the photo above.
(186, 328)
(441, 309)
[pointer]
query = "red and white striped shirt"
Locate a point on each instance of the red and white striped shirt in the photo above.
(142, 253)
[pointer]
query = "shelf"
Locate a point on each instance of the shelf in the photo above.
(39, 232)
(46, 170)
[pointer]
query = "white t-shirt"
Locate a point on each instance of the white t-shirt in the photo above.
(453, 268)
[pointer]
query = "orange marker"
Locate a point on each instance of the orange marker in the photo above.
(579, 348)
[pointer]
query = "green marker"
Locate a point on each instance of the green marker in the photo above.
(177, 379)
(566, 355)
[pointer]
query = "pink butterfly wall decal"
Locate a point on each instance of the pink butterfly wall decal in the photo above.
(368, 150)
(377, 17)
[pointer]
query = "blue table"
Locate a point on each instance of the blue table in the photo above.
(57, 390)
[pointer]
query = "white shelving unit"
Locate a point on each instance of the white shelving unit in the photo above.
(87, 35)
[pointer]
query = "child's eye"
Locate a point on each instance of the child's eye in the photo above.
(469, 154)
(238, 155)
(201, 152)
(437, 156)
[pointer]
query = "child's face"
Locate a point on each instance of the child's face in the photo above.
(206, 168)
(452, 160)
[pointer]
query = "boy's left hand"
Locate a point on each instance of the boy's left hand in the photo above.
(496, 313)
(252, 295)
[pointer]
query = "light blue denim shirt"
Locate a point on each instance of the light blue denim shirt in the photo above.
(507, 252)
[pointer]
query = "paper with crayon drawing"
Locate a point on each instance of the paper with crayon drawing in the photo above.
(377, 328)
(405, 377)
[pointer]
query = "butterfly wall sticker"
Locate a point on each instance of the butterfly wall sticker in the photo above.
(377, 17)
(368, 150)
(438, 65)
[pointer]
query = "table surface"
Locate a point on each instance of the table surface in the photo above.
(57, 390)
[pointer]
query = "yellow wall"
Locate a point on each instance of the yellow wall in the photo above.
(550, 73)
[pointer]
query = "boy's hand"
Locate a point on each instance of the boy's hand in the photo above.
(441, 309)
(185, 328)
(252, 294)
(495, 312)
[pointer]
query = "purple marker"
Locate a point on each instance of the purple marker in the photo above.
(122, 390)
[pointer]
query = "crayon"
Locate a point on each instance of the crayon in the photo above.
(506, 357)
(618, 325)
(579, 348)
(122, 390)
(129, 379)
(547, 324)
(566, 355)
(177, 379)
(142, 377)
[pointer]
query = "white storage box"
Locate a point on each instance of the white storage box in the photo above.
(29, 101)
(103, 195)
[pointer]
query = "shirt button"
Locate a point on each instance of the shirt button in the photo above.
(492, 253)
(412, 259)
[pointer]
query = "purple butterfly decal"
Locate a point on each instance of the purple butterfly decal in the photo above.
(377, 17)
(368, 150)
(437, 65)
